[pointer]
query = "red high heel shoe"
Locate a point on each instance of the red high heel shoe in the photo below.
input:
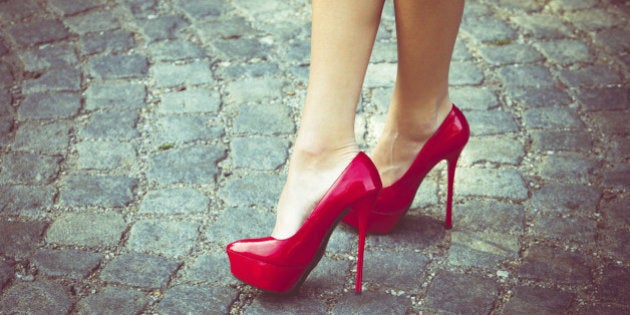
(282, 265)
(447, 143)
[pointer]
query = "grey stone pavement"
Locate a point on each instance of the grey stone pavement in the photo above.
(139, 137)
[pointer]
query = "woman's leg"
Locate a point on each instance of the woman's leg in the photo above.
(426, 32)
(342, 37)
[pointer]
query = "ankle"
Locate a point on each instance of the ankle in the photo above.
(322, 156)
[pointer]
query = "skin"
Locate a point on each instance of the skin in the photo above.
(343, 34)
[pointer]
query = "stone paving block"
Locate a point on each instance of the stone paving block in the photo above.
(559, 140)
(143, 9)
(113, 301)
(611, 122)
(541, 25)
(19, 238)
(254, 90)
(194, 165)
(54, 80)
(593, 19)
(204, 9)
(241, 49)
(606, 98)
(483, 123)
(263, 119)
(7, 273)
(28, 168)
(504, 150)
(51, 138)
(476, 9)
(6, 75)
(510, 54)
(505, 183)
(615, 243)
(528, 75)
(427, 194)
(227, 28)
(571, 5)
(107, 42)
(5, 102)
(474, 98)
(534, 300)
(190, 101)
(371, 302)
(603, 309)
(541, 262)
(383, 52)
(259, 69)
(562, 198)
(174, 200)
(578, 230)
(615, 211)
(487, 29)
(460, 52)
(23, 199)
(141, 270)
(118, 66)
(465, 73)
(454, 293)
(298, 303)
(119, 95)
(531, 97)
(185, 299)
(228, 226)
(567, 168)
(329, 275)
(170, 238)
(592, 75)
(94, 21)
(87, 229)
(194, 73)
(256, 189)
(70, 7)
(212, 267)
(56, 55)
(15, 10)
(111, 125)
(613, 40)
(164, 27)
(485, 215)
(3, 48)
(50, 105)
(380, 75)
(178, 129)
(618, 176)
(565, 51)
(613, 285)
(520, 5)
(482, 249)
(261, 153)
(417, 232)
(103, 191)
(174, 50)
(70, 263)
(618, 148)
(102, 155)
(399, 270)
(39, 32)
(39, 297)
(552, 118)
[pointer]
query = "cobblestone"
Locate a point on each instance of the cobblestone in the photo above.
(86, 229)
(138, 269)
(139, 137)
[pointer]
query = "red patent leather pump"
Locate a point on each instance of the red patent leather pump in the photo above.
(447, 143)
(281, 265)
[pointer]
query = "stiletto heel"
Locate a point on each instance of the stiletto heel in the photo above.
(281, 265)
(363, 209)
(451, 166)
(447, 143)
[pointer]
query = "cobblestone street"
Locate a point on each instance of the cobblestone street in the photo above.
(139, 137)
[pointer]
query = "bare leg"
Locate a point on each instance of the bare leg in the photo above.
(426, 31)
(342, 37)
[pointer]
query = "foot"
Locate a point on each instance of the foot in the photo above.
(311, 174)
(399, 145)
